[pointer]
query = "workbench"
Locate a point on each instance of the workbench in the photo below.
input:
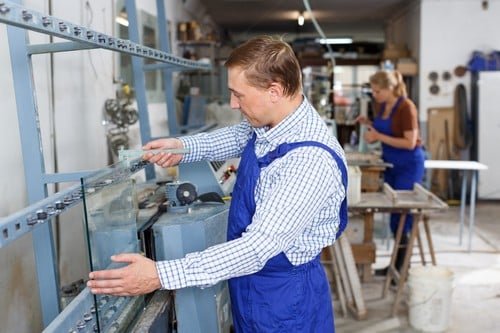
(372, 166)
(417, 202)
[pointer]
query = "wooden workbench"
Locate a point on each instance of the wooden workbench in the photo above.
(416, 202)
(372, 166)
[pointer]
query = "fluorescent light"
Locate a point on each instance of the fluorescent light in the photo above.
(300, 19)
(121, 20)
(334, 40)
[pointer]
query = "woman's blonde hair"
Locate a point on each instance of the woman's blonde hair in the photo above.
(392, 80)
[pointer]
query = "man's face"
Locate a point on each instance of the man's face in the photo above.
(254, 103)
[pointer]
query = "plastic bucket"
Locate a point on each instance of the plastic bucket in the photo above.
(430, 289)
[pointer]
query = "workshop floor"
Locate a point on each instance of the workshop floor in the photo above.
(475, 301)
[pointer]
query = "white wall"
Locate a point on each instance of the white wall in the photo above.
(450, 31)
(441, 35)
(403, 30)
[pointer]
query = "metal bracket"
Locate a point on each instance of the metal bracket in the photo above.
(14, 14)
(22, 222)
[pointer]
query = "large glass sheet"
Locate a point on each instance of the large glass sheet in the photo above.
(111, 208)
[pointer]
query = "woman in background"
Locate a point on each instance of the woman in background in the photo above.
(395, 125)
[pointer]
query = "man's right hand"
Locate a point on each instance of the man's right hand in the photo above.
(164, 160)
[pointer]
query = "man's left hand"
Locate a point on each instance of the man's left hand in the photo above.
(137, 278)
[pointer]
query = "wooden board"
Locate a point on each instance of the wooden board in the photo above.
(391, 200)
(437, 118)
(438, 147)
(356, 304)
(418, 197)
(363, 253)
(371, 178)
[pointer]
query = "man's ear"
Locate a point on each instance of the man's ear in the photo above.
(276, 91)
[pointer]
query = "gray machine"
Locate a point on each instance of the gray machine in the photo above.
(175, 235)
(217, 176)
(185, 222)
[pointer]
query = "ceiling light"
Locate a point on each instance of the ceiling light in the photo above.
(300, 19)
(334, 40)
(122, 18)
(122, 21)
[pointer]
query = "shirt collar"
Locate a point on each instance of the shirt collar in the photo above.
(286, 126)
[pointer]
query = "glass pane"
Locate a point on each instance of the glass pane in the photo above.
(110, 206)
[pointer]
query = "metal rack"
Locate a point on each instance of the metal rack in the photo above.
(207, 81)
(42, 207)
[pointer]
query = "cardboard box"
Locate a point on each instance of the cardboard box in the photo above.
(394, 52)
(407, 67)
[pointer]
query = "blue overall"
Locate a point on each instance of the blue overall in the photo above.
(408, 165)
(280, 297)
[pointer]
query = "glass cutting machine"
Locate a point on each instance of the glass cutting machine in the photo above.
(164, 220)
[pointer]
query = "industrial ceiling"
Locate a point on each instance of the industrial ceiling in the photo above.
(362, 20)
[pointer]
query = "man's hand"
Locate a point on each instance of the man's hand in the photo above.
(164, 160)
(137, 278)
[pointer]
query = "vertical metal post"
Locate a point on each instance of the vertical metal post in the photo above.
(173, 127)
(34, 169)
(139, 80)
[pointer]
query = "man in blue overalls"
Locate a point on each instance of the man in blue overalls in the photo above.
(288, 203)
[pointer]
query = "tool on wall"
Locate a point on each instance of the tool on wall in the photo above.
(462, 131)
(461, 135)
(460, 71)
(118, 116)
(434, 88)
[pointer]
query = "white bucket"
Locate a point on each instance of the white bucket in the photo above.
(430, 298)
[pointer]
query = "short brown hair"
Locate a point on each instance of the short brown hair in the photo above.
(266, 60)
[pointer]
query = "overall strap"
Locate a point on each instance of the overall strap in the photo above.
(284, 148)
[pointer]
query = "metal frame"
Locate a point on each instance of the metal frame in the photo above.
(33, 218)
(14, 14)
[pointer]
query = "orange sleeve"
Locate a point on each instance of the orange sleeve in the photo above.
(405, 118)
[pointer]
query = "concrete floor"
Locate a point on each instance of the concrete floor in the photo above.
(475, 300)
